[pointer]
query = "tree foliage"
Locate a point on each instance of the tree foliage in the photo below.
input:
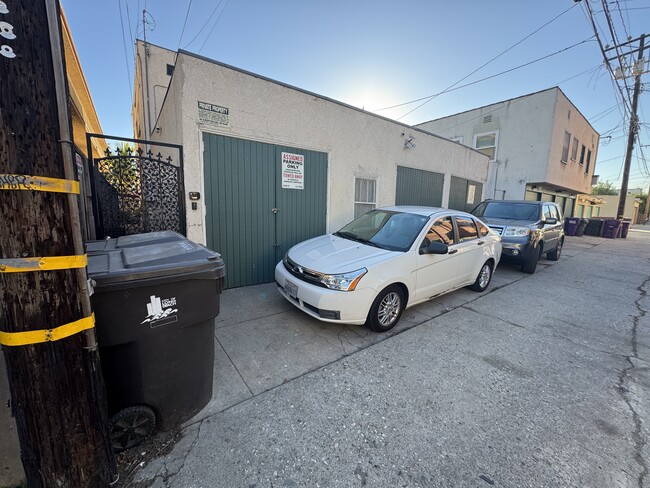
(604, 188)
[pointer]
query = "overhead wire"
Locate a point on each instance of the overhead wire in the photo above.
(126, 56)
(214, 25)
(431, 97)
(204, 25)
(187, 14)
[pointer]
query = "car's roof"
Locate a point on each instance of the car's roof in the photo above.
(533, 202)
(426, 211)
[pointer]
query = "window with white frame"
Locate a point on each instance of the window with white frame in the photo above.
(565, 147)
(365, 196)
(574, 149)
(487, 143)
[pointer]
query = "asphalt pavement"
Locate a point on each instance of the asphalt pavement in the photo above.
(541, 381)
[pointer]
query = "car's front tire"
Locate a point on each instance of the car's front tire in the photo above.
(555, 254)
(531, 265)
(387, 309)
(484, 277)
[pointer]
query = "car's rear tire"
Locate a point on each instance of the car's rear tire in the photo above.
(387, 309)
(555, 254)
(484, 277)
(531, 265)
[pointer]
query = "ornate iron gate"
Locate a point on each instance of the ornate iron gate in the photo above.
(137, 189)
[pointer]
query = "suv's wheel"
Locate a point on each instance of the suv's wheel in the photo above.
(531, 265)
(386, 309)
(555, 254)
(484, 277)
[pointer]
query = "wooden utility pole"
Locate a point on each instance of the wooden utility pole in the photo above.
(55, 379)
(637, 69)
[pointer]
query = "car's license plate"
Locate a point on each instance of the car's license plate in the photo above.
(291, 289)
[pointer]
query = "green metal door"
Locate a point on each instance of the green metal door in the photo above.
(418, 187)
(250, 218)
(464, 194)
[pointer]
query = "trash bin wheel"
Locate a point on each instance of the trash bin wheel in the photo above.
(130, 426)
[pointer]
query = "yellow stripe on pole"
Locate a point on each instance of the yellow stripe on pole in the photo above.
(51, 263)
(38, 183)
(46, 335)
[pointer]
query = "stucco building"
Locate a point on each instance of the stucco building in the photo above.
(540, 146)
(269, 164)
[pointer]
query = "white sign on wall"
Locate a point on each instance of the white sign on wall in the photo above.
(471, 193)
(293, 171)
(213, 114)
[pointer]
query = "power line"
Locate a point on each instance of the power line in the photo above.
(488, 62)
(447, 90)
(126, 56)
(204, 25)
(214, 25)
(187, 14)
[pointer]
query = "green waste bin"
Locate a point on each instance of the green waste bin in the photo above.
(155, 302)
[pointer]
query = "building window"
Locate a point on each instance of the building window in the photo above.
(574, 149)
(365, 196)
(582, 155)
(487, 143)
(565, 147)
(170, 69)
(588, 161)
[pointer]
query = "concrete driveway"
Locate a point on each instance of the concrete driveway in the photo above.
(541, 381)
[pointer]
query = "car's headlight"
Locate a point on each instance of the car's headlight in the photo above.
(512, 231)
(343, 281)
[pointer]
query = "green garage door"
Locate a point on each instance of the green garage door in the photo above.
(464, 194)
(418, 187)
(261, 199)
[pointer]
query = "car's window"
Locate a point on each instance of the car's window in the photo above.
(441, 231)
(466, 229)
(508, 210)
(395, 231)
(483, 230)
(554, 213)
(547, 211)
(559, 212)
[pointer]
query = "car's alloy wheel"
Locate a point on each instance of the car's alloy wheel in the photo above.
(387, 309)
(484, 277)
(555, 255)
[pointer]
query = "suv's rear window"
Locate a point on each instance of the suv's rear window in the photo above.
(508, 210)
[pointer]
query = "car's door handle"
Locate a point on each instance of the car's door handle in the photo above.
(453, 251)
(480, 243)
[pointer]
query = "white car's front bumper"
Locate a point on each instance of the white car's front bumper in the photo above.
(348, 307)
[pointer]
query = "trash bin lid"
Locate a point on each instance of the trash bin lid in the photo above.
(161, 260)
(133, 241)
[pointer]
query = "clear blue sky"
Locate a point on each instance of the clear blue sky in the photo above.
(378, 53)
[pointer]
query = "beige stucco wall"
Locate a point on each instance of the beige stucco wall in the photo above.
(531, 131)
(567, 118)
(358, 144)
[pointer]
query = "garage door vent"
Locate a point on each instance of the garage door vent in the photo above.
(487, 119)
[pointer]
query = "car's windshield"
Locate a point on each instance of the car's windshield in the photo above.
(390, 230)
(508, 210)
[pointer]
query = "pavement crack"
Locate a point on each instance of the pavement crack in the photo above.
(624, 390)
(167, 476)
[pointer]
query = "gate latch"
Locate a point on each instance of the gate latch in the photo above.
(274, 210)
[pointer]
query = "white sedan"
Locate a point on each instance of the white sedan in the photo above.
(385, 261)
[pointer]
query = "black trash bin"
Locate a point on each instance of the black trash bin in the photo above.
(581, 227)
(155, 305)
(571, 226)
(595, 227)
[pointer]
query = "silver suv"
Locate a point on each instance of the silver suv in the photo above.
(528, 229)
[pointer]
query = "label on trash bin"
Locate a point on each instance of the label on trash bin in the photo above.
(161, 311)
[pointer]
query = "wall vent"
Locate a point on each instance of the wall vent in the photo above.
(487, 119)
(170, 69)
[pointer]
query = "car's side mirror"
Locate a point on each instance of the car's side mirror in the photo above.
(550, 221)
(435, 248)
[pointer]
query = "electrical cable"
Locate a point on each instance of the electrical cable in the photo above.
(126, 56)
(204, 25)
(187, 14)
(488, 62)
(214, 25)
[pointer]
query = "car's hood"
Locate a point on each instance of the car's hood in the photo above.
(331, 254)
(505, 222)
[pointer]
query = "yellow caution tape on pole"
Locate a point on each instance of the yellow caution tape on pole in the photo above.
(22, 265)
(38, 183)
(30, 337)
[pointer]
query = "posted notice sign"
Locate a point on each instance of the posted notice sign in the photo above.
(293, 171)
